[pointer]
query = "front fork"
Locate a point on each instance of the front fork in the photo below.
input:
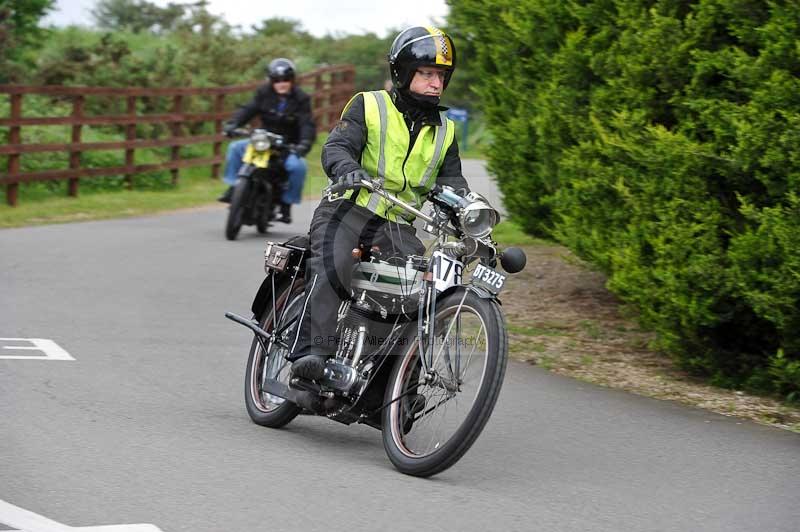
(426, 328)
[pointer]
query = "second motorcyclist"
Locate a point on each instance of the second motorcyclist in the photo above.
(283, 109)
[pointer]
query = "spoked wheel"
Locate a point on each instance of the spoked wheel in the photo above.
(439, 416)
(236, 209)
(264, 408)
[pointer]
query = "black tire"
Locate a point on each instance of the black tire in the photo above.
(236, 209)
(401, 419)
(264, 409)
(265, 201)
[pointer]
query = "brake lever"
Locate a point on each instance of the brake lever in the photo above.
(338, 188)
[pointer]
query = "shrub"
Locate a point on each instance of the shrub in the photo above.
(660, 140)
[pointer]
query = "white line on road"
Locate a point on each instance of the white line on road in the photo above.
(27, 521)
(51, 350)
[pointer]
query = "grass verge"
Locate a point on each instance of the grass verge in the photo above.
(195, 188)
(508, 233)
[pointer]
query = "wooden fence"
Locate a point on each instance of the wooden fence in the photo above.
(330, 87)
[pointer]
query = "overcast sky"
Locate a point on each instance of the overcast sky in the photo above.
(319, 17)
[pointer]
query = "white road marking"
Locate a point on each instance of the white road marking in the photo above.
(51, 350)
(27, 521)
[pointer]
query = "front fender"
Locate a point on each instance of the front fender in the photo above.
(479, 291)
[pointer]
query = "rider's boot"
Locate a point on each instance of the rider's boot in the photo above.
(310, 367)
(286, 213)
(226, 196)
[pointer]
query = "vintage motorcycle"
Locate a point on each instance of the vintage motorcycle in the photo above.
(421, 344)
(260, 182)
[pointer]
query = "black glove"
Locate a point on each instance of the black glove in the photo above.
(302, 148)
(229, 129)
(350, 180)
(353, 179)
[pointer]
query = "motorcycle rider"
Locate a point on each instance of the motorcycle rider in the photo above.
(286, 110)
(401, 137)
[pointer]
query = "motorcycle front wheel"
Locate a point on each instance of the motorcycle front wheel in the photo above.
(236, 209)
(433, 419)
(266, 409)
(264, 216)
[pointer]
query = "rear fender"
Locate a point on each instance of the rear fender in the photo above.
(281, 280)
(264, 294)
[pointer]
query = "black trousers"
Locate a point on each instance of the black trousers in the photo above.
(337, 228)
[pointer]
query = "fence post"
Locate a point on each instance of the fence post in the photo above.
(320, 98)
(219, 106)
(13, 159)
(349, 80)
(333, 96)
(347, 88)
(75, 154)
(177, 108)
(130, 135)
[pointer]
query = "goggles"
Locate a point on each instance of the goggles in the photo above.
(428, 75)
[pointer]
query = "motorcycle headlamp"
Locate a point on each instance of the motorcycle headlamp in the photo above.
(260, 140)
(477, 218)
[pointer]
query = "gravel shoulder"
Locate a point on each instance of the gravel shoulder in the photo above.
(562, 318)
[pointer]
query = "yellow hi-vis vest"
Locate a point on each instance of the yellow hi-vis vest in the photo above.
(384, 156)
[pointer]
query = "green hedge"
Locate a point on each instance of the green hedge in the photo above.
(660, 140)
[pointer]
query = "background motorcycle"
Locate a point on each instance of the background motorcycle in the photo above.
(421, 352)
(261, 181)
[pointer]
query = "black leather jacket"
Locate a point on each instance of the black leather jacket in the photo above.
(295, 121)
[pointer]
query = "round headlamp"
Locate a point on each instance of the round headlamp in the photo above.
(477, 218)
(260, 140)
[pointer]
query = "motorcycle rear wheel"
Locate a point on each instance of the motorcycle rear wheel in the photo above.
(236, 209)
(431, 426)
(266, 409)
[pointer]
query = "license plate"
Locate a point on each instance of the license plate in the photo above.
(488, 278)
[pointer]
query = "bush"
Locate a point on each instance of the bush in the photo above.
(660, 140)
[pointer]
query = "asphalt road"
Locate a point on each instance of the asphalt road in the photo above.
(147, 423)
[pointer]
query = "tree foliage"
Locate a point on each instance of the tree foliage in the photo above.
(19, 33)
(138, 15)
(138, 43)
(659, 139)
(276, 26)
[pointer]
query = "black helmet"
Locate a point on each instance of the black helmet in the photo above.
(280, 69)
(419, 46)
